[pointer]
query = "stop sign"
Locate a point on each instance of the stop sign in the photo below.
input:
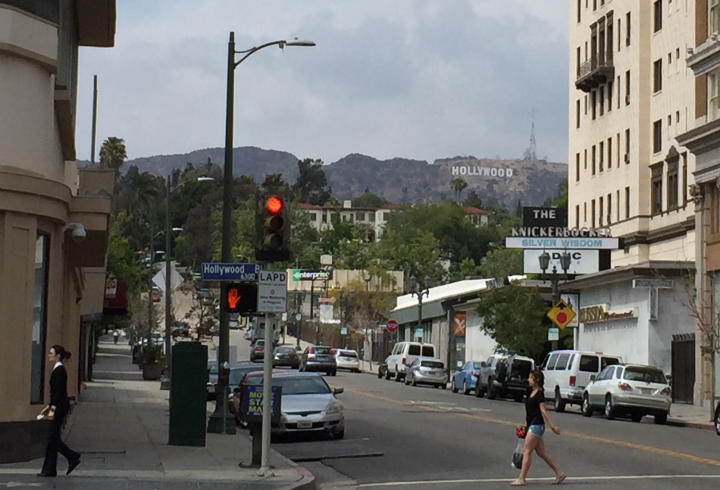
(391, 325)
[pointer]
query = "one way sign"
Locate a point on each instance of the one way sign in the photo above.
(272, 291)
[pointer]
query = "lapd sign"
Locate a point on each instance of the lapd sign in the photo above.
(272, 291)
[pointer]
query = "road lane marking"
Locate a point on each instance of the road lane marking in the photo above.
(530, 480)
(577, 435)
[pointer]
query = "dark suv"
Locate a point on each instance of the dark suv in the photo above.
(510, 377)
(318, 358)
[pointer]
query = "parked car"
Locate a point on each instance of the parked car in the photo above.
(286, 355)
(466, 378)
(505, 376)
(347, 359)
(250, 377)
(631, 390)
(308, 404)
(567, 373)
(257, 350)
(404, 353)
(318, 358)
(426, 371)
(717, 419)
(234, 379)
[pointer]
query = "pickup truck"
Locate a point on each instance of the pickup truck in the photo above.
(505, 376)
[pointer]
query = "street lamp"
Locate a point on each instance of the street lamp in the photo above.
(166, 381)
(419, 289)
(544, 260)
(367, 277)
(219, 420)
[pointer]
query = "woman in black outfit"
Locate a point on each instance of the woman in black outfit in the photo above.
(56, 413)
(535, 416)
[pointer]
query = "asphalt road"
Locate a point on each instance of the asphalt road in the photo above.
(432, 438)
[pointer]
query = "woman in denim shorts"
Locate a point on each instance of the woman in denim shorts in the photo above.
(535, 416)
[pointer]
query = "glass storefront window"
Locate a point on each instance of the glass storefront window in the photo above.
(39, 325)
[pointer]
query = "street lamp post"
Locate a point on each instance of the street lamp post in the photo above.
(419, 289)
(544, 260)
(219, 421)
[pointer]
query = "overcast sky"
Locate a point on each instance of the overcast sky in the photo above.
(421, 79)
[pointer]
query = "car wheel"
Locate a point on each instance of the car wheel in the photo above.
(717, 420)
(636, 416)
(379, 374)
(356, 371)
(492, 394)
(609, 409)
(333, 372)
(387, 374)
(661, 418)
(455, 388)
(407, 380)
(398, 377)
(586, 408)
(559, 402)
(518, 397)
(479, 392)
(443, 386)
(466, 391)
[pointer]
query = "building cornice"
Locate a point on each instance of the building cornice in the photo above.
(705, 58)
(652, 268)
(666, 233)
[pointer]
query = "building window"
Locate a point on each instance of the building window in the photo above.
(609, 150)
(672, 184)
(610, 95)
(617, 203)
(39, 321)
(627, 146)
(577, 114)
(371, 217)
(324, 217)
(627, 87)
(712, 18)
(577, 216)
(602, 99)
(617, 151)
(618, 85)
(585, 158)
(578, 10)
(593, 102)
(577, 167)
(684, 178)
(313, 216)
(592, 213)
(656, 188)
(657, 15)
(593, 160)
(657, 136)
(657, 75)
(584, 212)
(601, 154)
(715, 211)
(360, 216)
(627, 29)
(627, 203)
(600, 210)
(609, 209)
(712, 96)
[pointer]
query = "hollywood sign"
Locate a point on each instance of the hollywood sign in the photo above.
(471, 170)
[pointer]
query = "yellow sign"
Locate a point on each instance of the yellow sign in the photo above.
(561, 314)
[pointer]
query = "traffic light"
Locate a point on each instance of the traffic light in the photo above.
(240, 298)
(272, 225)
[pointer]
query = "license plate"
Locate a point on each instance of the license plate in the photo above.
(304, 425)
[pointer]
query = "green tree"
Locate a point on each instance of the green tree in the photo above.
(514, 316)
(415, 252)
(473, 200)
(458, 185)
(369, 200)
(338, 231)
(113, 153)
(561, 199)
(311, 185)
(122, 264)
(500, 263)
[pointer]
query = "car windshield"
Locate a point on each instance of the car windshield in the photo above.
(414, 350)
(432, 364)
(428, 351)
(646, 374)
(296, 385)
(476, 365)
(236, 374)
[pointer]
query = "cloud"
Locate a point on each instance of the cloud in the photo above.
(418, 79)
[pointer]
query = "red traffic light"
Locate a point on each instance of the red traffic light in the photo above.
(274, 205)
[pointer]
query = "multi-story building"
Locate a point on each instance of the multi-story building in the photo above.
(630, 95)
(53, 218)
(702, 138)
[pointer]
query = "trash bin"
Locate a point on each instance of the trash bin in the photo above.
(188, 394)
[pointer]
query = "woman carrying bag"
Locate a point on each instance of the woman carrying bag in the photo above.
(535, 416)
(56, 413)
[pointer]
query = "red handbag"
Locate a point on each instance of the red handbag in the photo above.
(521, 431)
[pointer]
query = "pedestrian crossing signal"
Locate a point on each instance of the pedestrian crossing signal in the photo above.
(240, 298)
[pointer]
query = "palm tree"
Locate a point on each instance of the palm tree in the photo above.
(458, 185)
(112, 152)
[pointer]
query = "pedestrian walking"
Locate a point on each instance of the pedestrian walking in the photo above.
(535, 416)
(116, 336)
(56, 412)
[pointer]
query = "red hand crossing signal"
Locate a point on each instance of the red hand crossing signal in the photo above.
(240, 298)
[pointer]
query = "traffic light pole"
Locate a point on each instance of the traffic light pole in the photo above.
(267, 397)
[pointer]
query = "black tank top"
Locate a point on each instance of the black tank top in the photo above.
(533, 415)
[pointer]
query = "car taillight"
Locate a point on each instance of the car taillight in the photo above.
(404, 360)
(624, 386)
(332, 352)
(311, 350)
(257, 348)
(474, 373)
(572, 380)
(666, 391)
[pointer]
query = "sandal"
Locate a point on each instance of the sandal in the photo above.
(560, 479)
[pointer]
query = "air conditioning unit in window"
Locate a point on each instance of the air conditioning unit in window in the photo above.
(627, 158)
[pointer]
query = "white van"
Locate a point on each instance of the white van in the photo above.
(567, 373)
(403, 354)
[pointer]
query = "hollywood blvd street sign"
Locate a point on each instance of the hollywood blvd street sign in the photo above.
(223, 271)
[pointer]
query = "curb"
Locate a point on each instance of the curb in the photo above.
(307, 479)
(694, 425)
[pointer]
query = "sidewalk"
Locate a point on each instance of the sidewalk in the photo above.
(120, 426)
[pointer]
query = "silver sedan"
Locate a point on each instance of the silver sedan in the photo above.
(426, 371)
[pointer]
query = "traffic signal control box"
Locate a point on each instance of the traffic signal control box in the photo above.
(240, 297)
(272, 227)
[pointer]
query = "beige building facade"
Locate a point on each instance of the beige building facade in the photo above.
(53, 217)
(631, 95)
